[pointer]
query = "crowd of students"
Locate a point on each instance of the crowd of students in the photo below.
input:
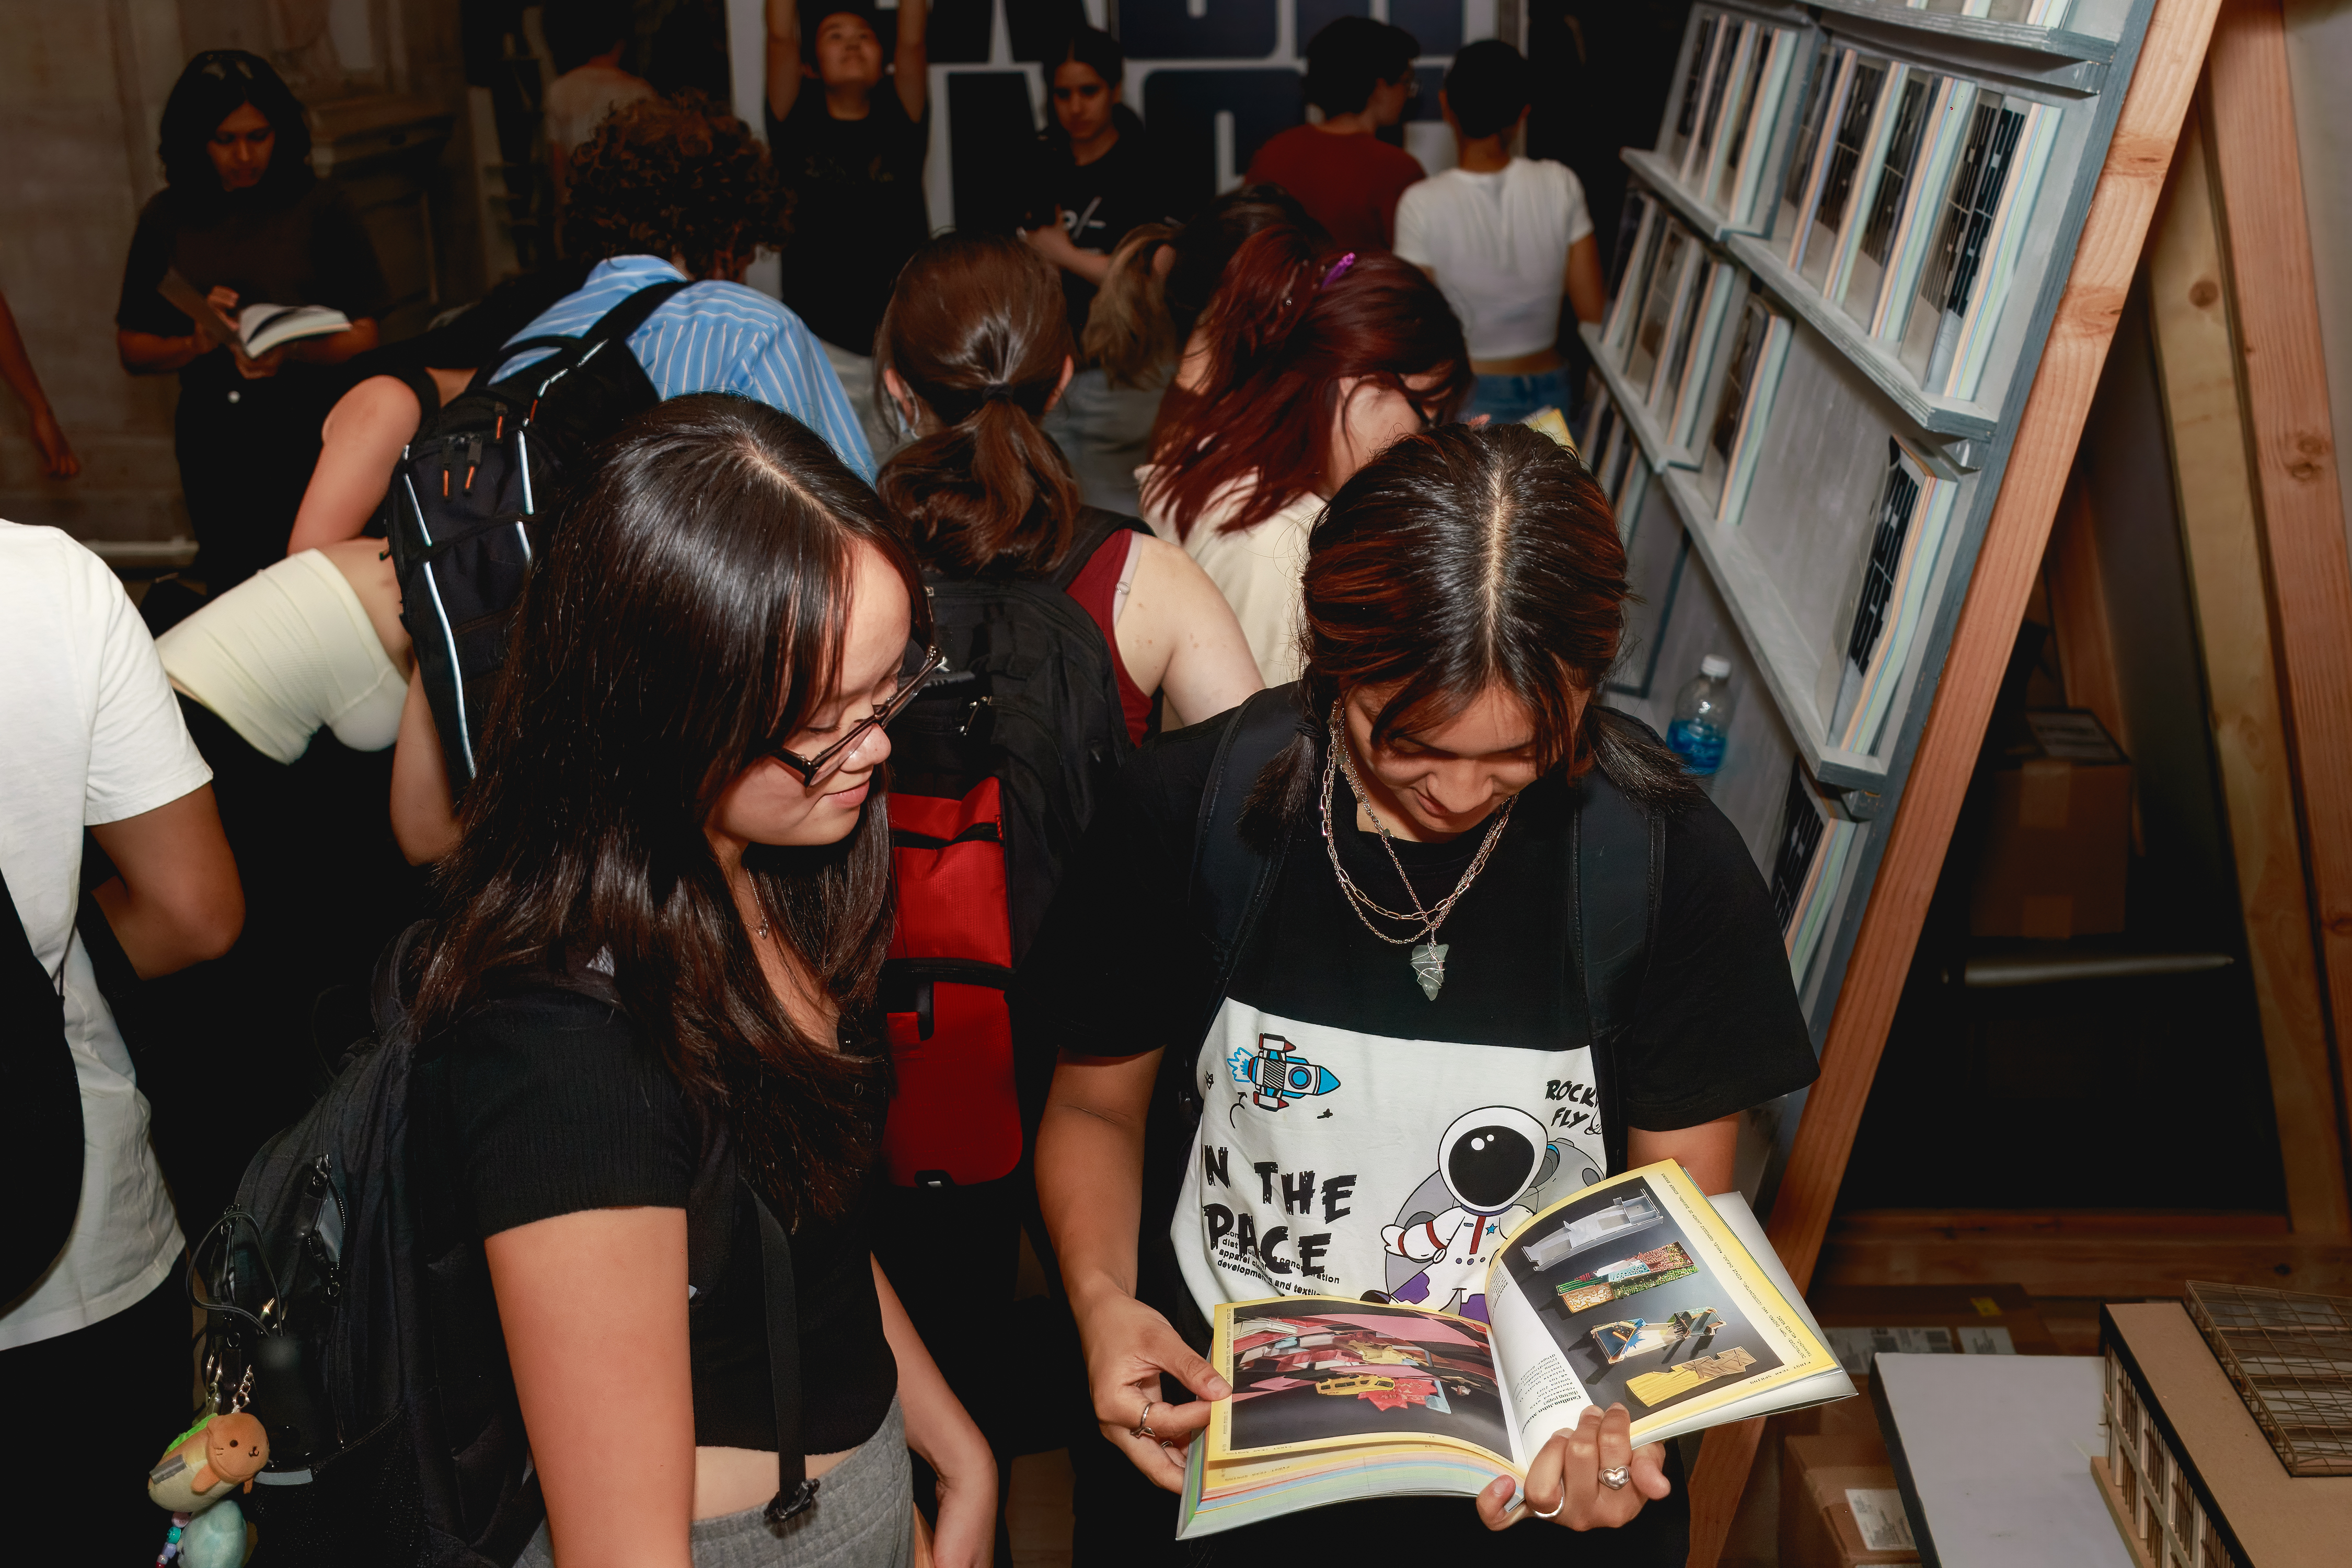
(1252, 475)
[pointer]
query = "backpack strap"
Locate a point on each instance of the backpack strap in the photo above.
(620, 321)
(1095, 529)
(794, 1490)
(419, 380)
(1617, 868)
(1231, 881)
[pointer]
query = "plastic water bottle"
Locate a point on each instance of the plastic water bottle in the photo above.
(1702, 717)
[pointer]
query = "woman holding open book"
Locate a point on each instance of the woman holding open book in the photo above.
(1431, 941)
(242, 222)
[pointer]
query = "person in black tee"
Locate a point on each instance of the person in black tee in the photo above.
(242, 218)
(849, 143)
(647, 1009)
(1463, 600)
(1096, 178)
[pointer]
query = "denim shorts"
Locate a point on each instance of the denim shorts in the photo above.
(864, 1517)
(1507, 399)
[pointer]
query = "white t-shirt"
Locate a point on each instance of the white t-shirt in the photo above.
(93, 735)
(1258, 570)
(1498, 244)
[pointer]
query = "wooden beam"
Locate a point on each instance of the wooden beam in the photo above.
(2078, 613)
(2006, 567)
(2205, 414)
(2259, 177)
(2077, 1254)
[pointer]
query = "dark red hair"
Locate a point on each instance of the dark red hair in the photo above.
(1282, 341)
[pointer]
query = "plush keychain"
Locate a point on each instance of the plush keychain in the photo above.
(198, 1478)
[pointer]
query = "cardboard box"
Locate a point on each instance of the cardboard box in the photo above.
(2055, 855)
(1840, 1506)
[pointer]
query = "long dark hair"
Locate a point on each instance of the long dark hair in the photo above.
(213, 86)
(977, 329)
(693, 605)
(1140, 320)
(1287, 327)
(1459, 559)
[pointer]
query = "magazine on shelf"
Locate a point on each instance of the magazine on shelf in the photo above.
(1816, 840)
(1915, 503)
(1637, 1290)
(1612, 449)
(1821, 247)
(1751, 144)
(1736, 441)
(1733, 42)
(257, 329)
(1912, 95)
(1672, 277)
(1596, 414)
(1632, 486)
(1965, 282)
(1704, 31)
(1948, 117)
(1637, 241)
(1711, 303)
(1817, 142)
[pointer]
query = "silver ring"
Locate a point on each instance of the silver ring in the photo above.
(1554, 1508)
(1143, 1428)
(1615, 1479)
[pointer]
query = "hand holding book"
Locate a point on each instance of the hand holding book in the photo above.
(1569, 1470)
(1128, 1348)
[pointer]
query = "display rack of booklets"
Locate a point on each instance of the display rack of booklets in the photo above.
(1830, 290)
(1638, 1290)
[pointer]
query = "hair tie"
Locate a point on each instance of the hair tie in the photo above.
(1338, 271)
(996, 392)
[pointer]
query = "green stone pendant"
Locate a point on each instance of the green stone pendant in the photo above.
(1429, 967)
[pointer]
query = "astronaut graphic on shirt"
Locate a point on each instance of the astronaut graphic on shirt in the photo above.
(1487, 1159)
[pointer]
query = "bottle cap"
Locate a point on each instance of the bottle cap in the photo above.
(1714, 667)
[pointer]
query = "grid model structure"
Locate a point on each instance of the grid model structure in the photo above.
(2289, 1354)
(2164, 1519)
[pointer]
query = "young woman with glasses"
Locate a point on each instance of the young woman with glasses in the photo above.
(1316, 362)
(1423, 790)
(663, 921)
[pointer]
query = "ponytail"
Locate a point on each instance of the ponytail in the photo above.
(1129, 333)
(975, 330)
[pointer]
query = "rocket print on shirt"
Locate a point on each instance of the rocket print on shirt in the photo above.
(1333, 1163)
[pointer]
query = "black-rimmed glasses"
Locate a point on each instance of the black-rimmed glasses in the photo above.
(827, 762)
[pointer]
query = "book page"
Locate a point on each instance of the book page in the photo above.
(1635, 1292)
(1313, 1373)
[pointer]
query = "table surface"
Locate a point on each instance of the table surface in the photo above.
(1993, 1456)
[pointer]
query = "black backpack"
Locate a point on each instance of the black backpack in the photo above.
(346, 1295)
(476, 486)
(995, 770)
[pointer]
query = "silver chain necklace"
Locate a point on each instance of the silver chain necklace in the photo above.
(1428, 954)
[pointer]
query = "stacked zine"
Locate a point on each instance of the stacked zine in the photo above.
(1889, 601)
(1734, 441)
(1638, 1290)
(1816, 841)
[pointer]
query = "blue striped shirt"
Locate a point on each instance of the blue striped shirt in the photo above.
(715, 337)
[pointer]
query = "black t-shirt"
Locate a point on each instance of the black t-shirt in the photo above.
(1101, 201)
(1305, 1186)
(560, 1105)
(857, 209)
(309, 250)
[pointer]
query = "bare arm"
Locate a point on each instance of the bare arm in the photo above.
(783, 55)
(175, 899)
(939, 1430)
(1053, 242)
(1588, 294)
(362, 439)
(913, 59)
(424, 817)
(1090, 1188)
(58, 459)
(614, 1446)
(1708, 1150)
(1177, 634)
(334, 349)
(145, 354)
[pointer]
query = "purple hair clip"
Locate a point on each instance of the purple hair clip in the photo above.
(1338, 271)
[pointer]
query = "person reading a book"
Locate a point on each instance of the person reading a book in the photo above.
(664, 921)
(1506, 237)
(1316, 363)
(243, 221)
(1367, 1048)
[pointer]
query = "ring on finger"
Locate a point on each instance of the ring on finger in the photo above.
(1615, 1479)
(1540, 1513)
(1143, 1428)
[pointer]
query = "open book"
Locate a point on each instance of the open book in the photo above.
(256, 328)
(1638, 1290)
